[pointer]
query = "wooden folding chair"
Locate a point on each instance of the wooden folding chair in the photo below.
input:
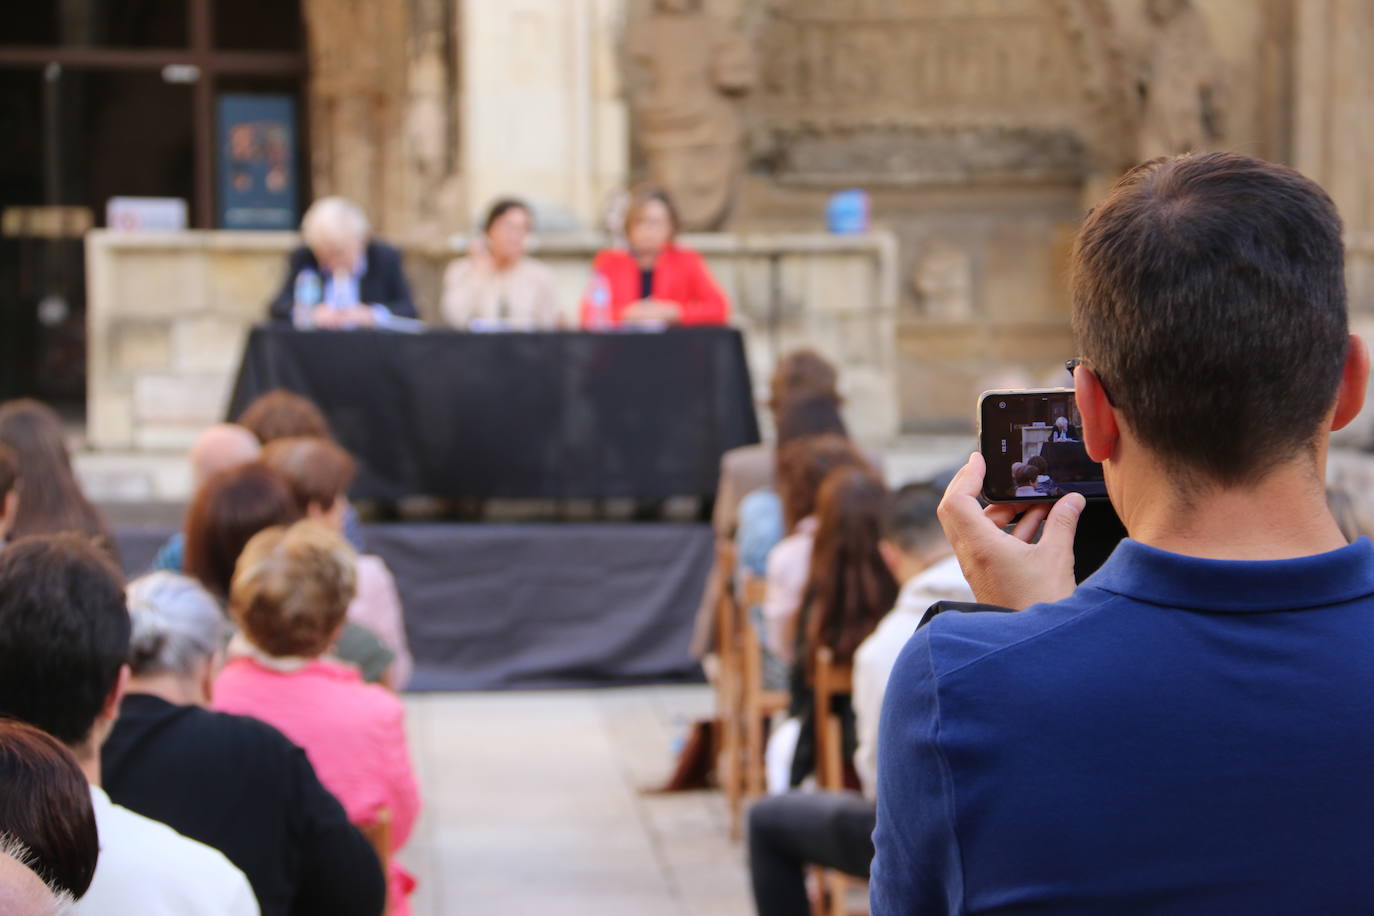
(378, 834)
(829, 681)
(757, 704)
(729, 677)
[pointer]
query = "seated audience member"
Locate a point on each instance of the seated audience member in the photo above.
(803, 466)
(1024, 477)
(282, 414)
(319, 473)
(226, 512)
(654, 280)
(64, 636)
(1042, 471)
(497, 285)
(354, 281)
(217, 448)
(289, 597)
(849, 589)
(50, 498)
(834, 829)
(45, 804)
(230, 782)
(1183, 732)
(9, 491)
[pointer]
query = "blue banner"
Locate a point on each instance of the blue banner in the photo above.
(257, 162)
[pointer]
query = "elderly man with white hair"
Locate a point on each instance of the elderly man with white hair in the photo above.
(341, 277)
(231, 782)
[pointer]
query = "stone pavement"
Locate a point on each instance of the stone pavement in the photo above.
(533, 805)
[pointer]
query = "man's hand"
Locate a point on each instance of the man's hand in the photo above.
(1003, 568)
(326, 318)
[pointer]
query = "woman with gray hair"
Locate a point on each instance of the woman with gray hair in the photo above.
(341, 277)
(231, 782)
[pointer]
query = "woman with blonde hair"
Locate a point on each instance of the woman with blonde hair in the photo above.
(289, 596)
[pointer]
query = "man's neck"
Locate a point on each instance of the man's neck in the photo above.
(88, 758)
(1282, 517)
(167, 687)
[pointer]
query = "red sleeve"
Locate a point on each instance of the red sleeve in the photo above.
(705, 304)
(611, 265)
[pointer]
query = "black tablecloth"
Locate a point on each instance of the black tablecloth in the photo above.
(511, 416)
(495, 607)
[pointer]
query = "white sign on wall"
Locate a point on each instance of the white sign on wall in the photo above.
(146, 214)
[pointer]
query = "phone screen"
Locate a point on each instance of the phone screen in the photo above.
(1032, 443)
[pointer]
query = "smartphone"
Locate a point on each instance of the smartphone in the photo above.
(1032, 444)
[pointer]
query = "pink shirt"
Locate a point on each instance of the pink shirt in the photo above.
(354, 734)
(788, 569)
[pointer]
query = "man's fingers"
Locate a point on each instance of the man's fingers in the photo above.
(1030, 522)
(1062, 522)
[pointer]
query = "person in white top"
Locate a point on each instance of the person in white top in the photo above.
(834, 829)
(497, 286)
(64, 637)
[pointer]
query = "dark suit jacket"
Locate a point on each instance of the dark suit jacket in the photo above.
(383, 283)
(239, 785)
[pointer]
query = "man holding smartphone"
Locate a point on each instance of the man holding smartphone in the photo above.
(1188, 730)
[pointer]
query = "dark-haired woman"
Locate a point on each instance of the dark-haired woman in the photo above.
(50, 498)
(653, 280)
(849, 590)
(497, 287)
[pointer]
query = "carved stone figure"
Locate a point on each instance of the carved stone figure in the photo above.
(685, 71)
(1181, 83)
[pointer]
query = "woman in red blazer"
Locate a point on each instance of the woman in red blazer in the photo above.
(654, 281)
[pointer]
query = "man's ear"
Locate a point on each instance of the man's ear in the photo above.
(892, 556)
(109, 710)
(1100, 431)
(1354, 381)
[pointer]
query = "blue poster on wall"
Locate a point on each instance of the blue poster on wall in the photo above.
(257, 161)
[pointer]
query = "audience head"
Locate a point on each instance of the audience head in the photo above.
(851, 586)
(9, 489)
(911, 532)
(45, 804)
(1039, 463)
(318, 473)
(336, 232)
(179, 632)
(651, 221)
(799, 375)
(50, 499)
(282, 414)
(1209, 300)
(64, 638)
(220, 447)
(802, 465)
(1025, 475)
(22, 892)
(507, 228)
(292, 589)
(226, 512)
(814, 415)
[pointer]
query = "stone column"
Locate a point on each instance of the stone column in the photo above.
(543, 116)
(1334, 125)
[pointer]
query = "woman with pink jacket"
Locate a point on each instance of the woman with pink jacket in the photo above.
(290, 593)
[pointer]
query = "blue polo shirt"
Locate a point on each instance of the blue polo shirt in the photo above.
(1178, 736)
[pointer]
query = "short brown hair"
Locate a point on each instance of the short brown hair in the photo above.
(317, 470)
(282, 414)
(227, 510)
(802, 465)
(292, 589)
(1209, 297)
(641, 197)
(47, 806)
(802, 374)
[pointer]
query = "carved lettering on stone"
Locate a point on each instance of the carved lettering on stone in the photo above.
(685, 71)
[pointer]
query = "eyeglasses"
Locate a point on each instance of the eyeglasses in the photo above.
(1075, 362)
